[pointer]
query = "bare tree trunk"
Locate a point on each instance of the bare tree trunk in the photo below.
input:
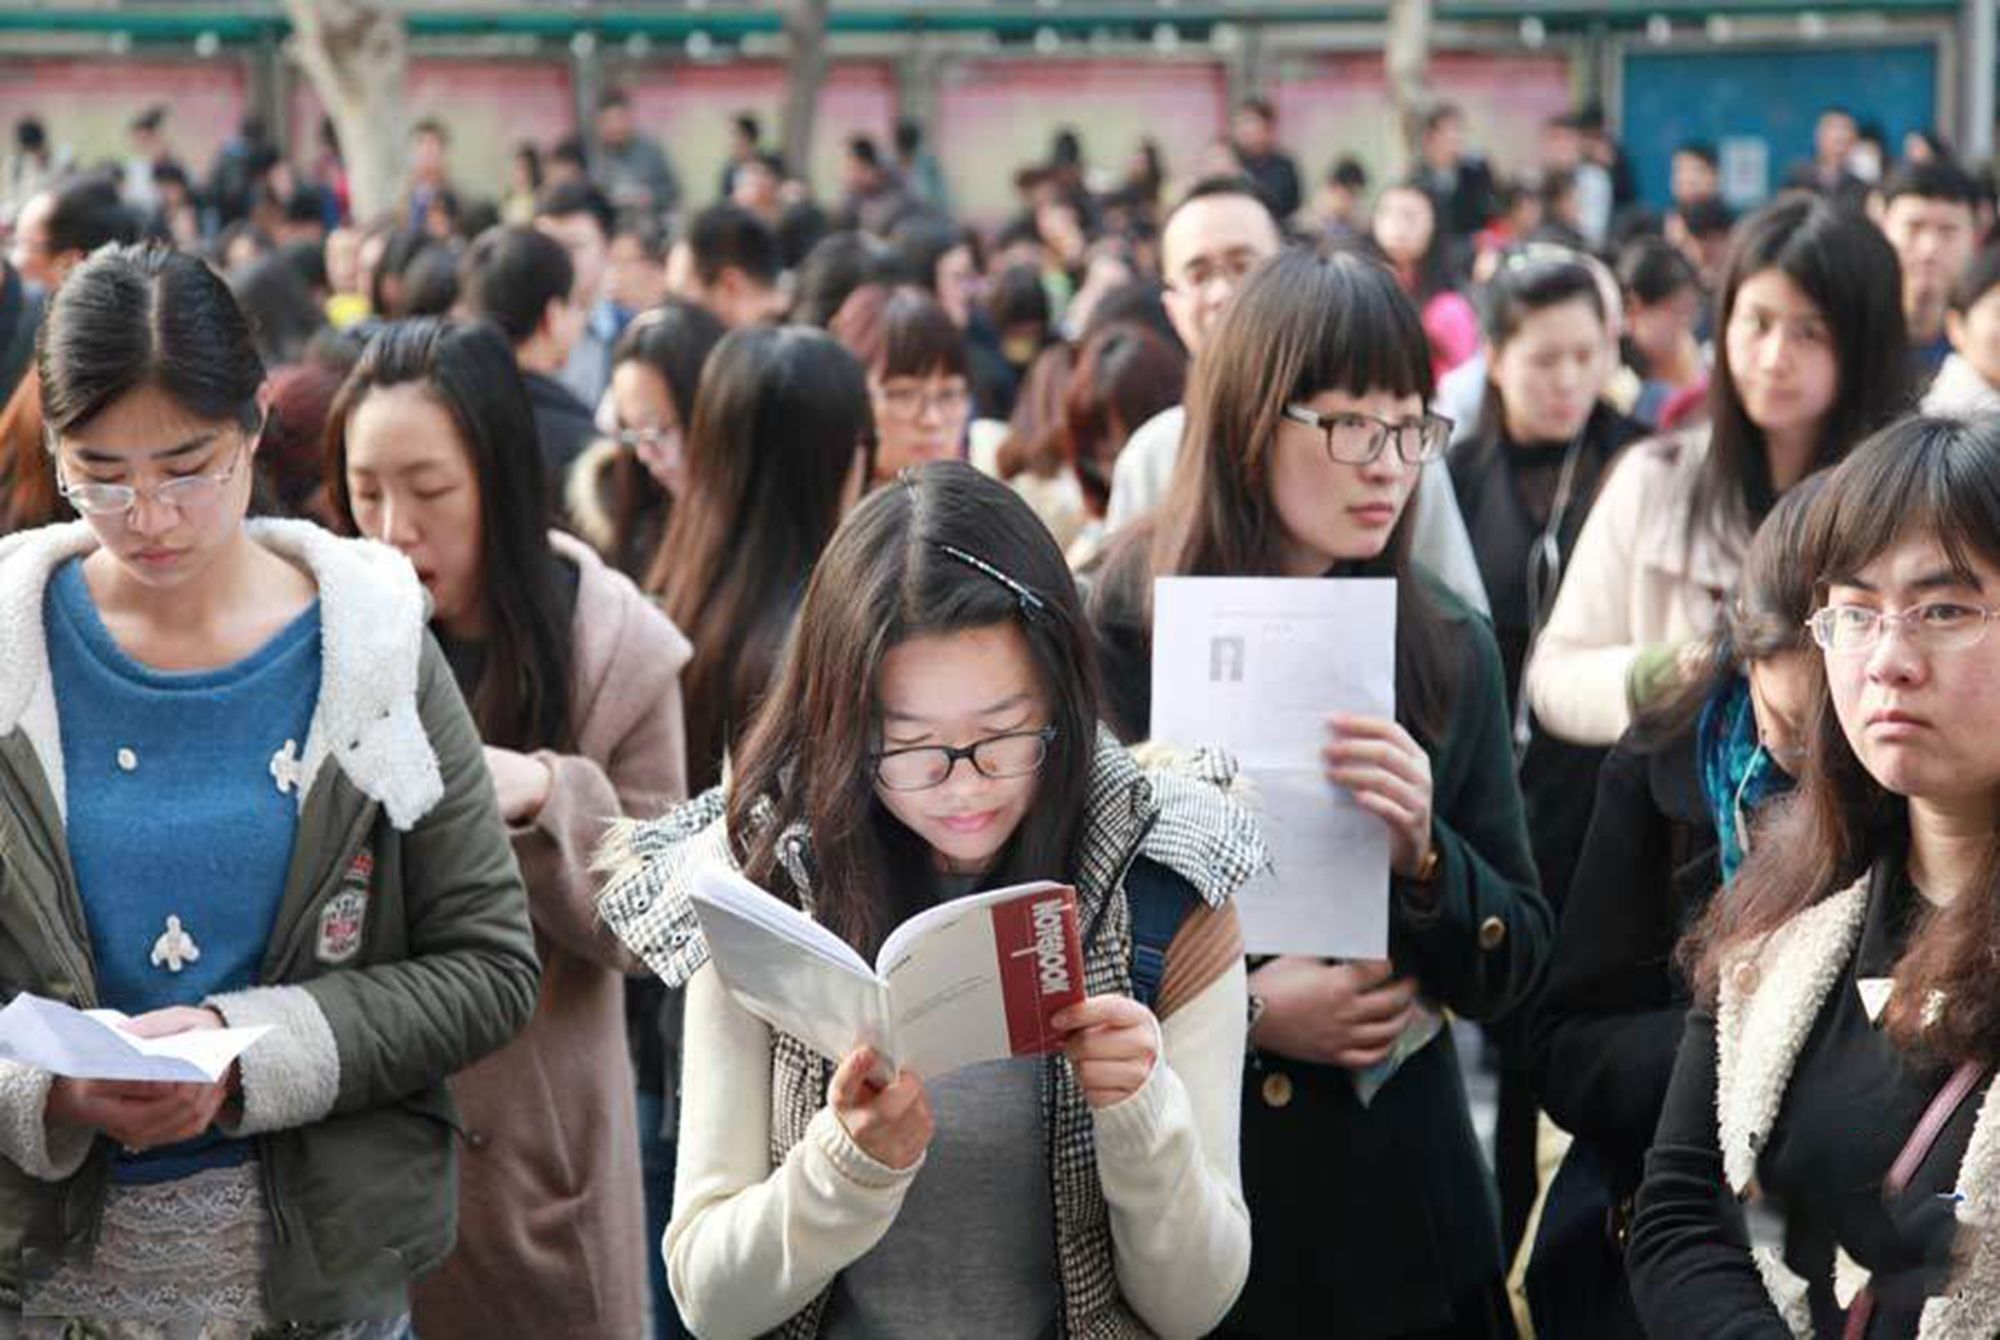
(356, 52)
(805, 41)
(1406, 58)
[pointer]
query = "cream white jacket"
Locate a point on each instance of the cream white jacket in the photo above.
(750, 1245)
(1634, 580)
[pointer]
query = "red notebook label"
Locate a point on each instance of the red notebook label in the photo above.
(1041, 966)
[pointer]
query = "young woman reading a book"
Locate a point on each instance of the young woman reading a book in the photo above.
(1308, 428)
(936, 732)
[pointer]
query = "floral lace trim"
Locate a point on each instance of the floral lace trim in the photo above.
(179, 1260)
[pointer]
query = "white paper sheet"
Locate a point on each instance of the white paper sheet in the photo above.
(1256, 665)
(90, 1044)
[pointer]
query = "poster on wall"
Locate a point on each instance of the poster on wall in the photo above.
(1745, 170)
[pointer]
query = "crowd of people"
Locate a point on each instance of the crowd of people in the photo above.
(399, 614)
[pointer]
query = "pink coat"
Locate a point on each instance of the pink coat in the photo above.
(552, 1226)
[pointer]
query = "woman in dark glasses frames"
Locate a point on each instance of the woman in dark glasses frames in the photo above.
(1308, 426)
(933, 730)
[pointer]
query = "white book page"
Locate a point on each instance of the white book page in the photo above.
(49, 1035)
(942, 968)
(1256, 665)
(788, 970)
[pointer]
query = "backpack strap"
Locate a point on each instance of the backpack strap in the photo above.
(1160, 901)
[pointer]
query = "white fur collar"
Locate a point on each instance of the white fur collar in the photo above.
(1768, 1002)
(372, 614)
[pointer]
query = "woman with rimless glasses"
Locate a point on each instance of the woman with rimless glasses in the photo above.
(933, 731)
(621, 491)
(238, 787)
(1308, 428)
(1828, 1161)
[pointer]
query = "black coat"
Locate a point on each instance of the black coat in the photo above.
(1605, 1033)
(1380, 1220)
(564, 426)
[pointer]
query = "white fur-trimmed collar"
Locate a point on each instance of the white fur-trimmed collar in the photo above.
(372, 617)
(1768, 1002)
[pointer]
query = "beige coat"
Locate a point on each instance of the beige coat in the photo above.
(551, 1232)
(1635, 580)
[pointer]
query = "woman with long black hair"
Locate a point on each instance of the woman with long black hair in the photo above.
(1308, 425)
(573, 679)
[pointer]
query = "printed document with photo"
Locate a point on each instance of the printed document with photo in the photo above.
(1256, 666)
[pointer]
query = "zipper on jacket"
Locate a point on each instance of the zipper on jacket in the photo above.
(279, 1230)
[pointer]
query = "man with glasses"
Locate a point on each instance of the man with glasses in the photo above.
(1219, 233)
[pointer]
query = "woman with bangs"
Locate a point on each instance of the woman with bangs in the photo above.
(933, 731)
(919, 374)
(1308, 427)
(1828, 1162)
(1812, 348)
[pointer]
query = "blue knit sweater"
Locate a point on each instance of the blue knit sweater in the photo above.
(175, 810)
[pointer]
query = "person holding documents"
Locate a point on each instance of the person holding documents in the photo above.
(1308, 429)
(933, 731)
(238, 789)
(574, 681)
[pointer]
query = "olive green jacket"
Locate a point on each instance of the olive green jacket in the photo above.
(346, 1099)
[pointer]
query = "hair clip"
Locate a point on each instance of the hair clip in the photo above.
(1030, 603)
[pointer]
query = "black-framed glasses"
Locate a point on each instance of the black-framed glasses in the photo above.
(1939, 626)
(996, 757)
(188, 495)
(1357, 439)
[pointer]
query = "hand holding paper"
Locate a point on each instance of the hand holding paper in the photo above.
(102, 1045)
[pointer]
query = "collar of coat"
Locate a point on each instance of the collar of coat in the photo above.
(1662, 541)
(1178, 812)
(1769, 999)
(372, 617)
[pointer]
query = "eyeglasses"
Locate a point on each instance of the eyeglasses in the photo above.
(996, 757)
(911, 401)
(1232, 268)
(188, 495)
(1940, 626)
(1357, 439)
(647, 439)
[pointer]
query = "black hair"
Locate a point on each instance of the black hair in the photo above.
(305, 205)
(521, 699)
(1260, 108)
(85, 213)
(909, 135)
(838, 264)
(1842, 262)
(748, 125)
(647, 232)
(29, 135)
(889, 575)
(1701, 149)
(283, 315)
(433, 127)
(1939, 179)
(1652, 270)
(1527, 283)
(613, 97)
(151, 119)
(1019, 298)
(1225, 184)
(430, 282)
(674, 340)
(861, 148)
(526, 152)
(577, 196)
(510, 276)
(725, 237)
(1708, 218)
(146, 316)
(1976, 280)
(1348, 172)
(569, 149)
(922, 240)
(801, 227)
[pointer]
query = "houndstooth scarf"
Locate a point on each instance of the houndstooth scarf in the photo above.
(1178, 815)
